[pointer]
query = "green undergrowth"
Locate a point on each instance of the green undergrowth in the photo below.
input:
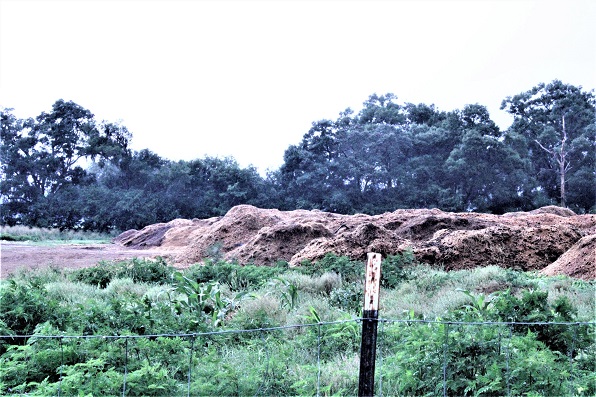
(420, 355)
(48, 236)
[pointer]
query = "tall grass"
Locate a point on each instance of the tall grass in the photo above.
(140, 297)
(37, 234)
(430, 292)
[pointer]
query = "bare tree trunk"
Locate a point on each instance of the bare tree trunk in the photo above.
(562, 166)
(560, 158)
(562, 172)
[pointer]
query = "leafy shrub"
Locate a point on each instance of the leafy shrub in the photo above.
(140, 270)
(36, 360)
(396, 268)
(152, 380)
(99, 275)
(238, 277)
(92, 377)
(531, 307)
(349, 297)
(348, 269)
(24, 305)
(476, 359)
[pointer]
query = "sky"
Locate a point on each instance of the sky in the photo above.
(247, 79)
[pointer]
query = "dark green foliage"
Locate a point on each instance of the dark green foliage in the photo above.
(556, 125)
(140, 270)
(386, 156)
(10, 237)
(476, 360)
(397, 268)
(41, 162)
(36, 360)
(25, 304)
(237, 277)
(348, 269)
(533, 306)
(417, 355)
(348, 297)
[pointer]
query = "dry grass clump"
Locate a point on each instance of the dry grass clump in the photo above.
(337, 375)
(322, 284)
(261, 312)
(73, 292)
(26, 233)
(126, 287)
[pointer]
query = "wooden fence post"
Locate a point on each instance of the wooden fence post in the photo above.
(368, 347)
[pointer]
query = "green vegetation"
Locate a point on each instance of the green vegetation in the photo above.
(50, 236)
(388, 155)
(436, 336)
(207, 330)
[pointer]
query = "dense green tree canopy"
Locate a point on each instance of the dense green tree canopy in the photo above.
(65, 169)
(395, 156)
(558, 122)
(43, 156)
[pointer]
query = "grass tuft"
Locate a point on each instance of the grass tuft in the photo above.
(36, 234)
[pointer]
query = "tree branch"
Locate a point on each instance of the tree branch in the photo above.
(543, 148)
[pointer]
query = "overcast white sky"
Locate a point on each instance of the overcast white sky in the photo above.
(247, 79)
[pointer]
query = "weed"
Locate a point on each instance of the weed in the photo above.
(237, 277)
(25, 233)
(139, 270)
(149, 297)
(349, 297)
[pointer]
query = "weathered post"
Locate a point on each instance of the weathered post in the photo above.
(368, 347)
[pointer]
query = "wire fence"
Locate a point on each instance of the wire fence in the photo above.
(429, 357)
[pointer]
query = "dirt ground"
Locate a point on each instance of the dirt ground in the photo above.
(14, 256)
(551, 239)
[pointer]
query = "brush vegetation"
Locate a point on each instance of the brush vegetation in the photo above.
(51, 235)
(149, 297)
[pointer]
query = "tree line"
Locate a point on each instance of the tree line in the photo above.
(66, 169)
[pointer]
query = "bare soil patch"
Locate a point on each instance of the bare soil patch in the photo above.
(18, 255)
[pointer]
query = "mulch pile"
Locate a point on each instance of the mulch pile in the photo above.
(552, 239)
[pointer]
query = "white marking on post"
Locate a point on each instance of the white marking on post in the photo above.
(373, 281)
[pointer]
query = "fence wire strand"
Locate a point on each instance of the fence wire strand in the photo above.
(192, 346)
(319, 360)
(125, 367)
(450, 331)
(445, 348)
(380, 355)
(61, 365)
(508, 357)
(572, 347)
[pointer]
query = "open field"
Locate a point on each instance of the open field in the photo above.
(19, 255)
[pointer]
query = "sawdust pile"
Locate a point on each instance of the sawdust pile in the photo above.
(552, 239)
